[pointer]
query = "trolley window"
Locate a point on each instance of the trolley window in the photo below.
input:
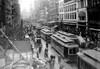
(85, 65)
(72, 51)
(71, 43)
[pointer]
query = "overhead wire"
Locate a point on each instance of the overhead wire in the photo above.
(14, 48)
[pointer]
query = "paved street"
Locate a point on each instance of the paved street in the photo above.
(53, 52)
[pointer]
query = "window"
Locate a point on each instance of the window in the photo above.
(72, 51)
(75, 6)
(82, 3)
(72, 7)
(68, 16)
(98, 2)
(59, 16)
(66, 9)
(62, 16)
(75, 15)
(82, 17)
(65, 16)
(72, 15)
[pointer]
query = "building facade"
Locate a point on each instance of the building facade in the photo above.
(6, 19)
(93, 11)
(53, 11)
(75, 17)
(88, 59)
(5, 12)
(41, 10)
(70, 16)
(82, 17)
(16, 12)
(61, 9)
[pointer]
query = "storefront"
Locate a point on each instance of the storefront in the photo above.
(82, 28)
(69, 27)
(82, 23)
(94, 34)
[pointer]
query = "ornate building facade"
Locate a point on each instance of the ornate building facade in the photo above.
(70, 19)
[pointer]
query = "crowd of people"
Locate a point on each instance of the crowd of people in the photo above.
(50, 60)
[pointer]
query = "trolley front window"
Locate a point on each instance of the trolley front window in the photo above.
(72, 51)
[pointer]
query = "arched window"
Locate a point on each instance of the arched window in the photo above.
(82, 15)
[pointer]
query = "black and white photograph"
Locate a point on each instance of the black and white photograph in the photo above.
(49, 34)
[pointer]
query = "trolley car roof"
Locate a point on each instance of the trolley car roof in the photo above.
(63, 38)
(46, 31)
(68, 34)
(91, 56)
(67, 44)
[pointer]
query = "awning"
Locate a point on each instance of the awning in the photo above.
(52, 22)
(82, 13)
(94, 29)
(69, 23)
(81, 25)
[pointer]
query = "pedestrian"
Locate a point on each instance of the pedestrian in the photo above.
(51, 65)
(31, 48)
(40, 48)
(46, 52)
(53, 60)
(37, 54)
(46, 45)
(51, 57)
(59, 59)
(61, 66)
